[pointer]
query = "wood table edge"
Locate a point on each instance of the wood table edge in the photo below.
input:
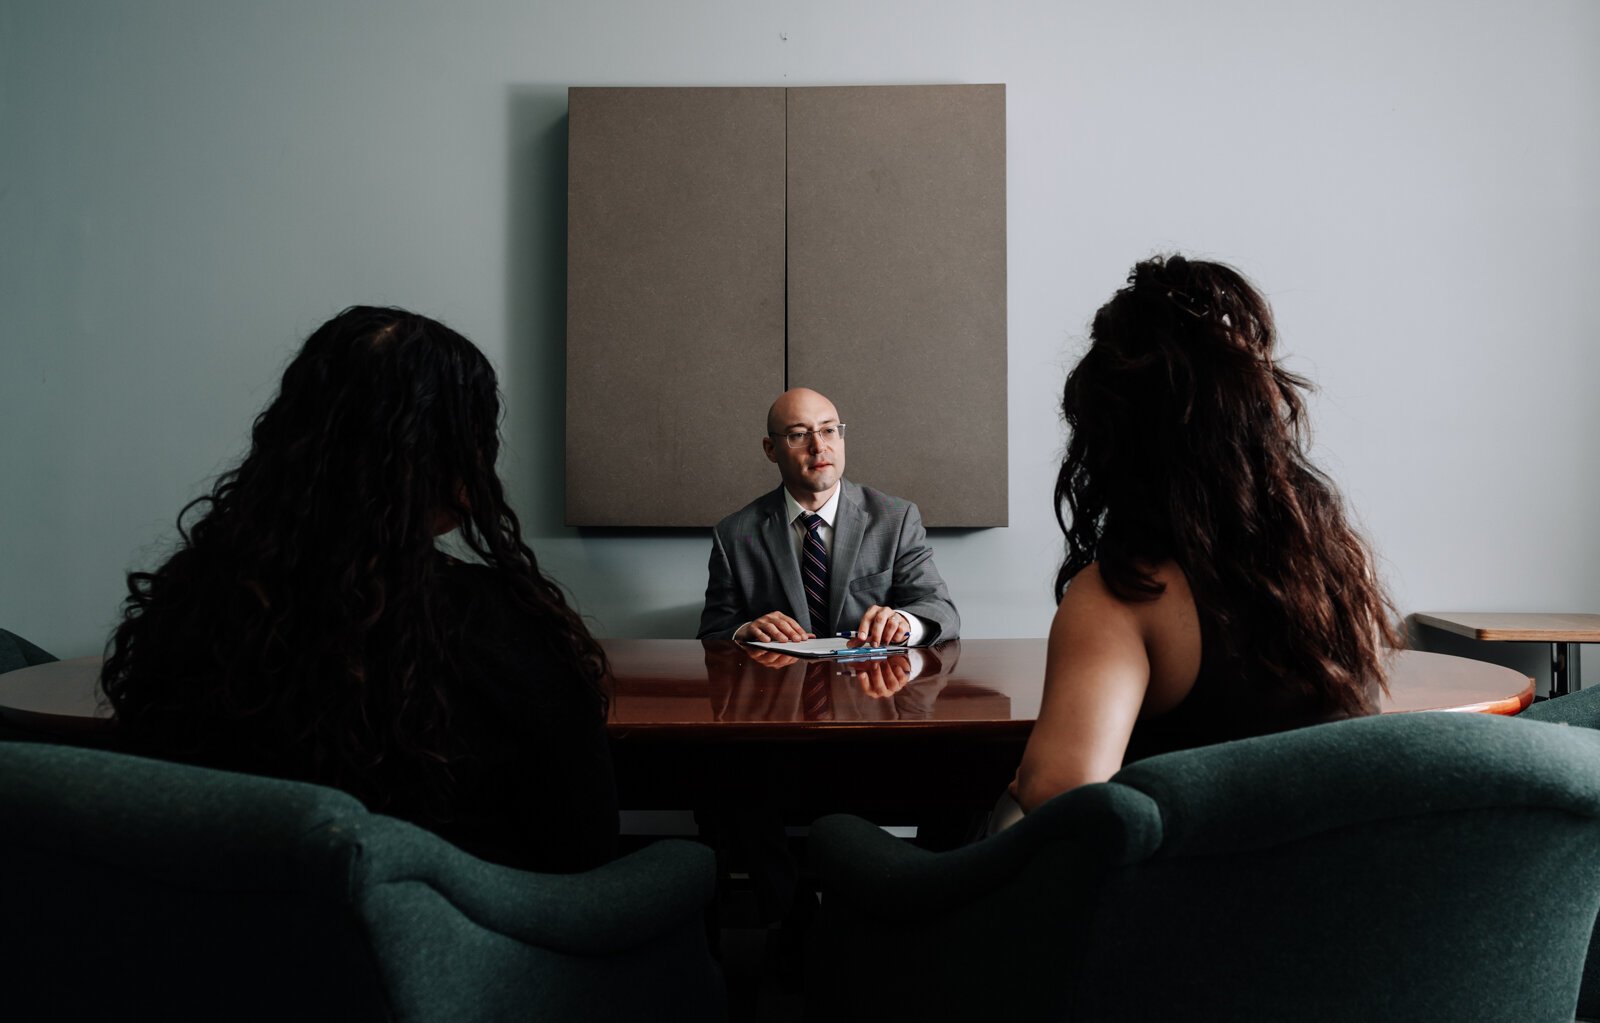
(1506, 635)
(1509, 706)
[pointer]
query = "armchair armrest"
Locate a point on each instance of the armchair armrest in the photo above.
(622, 904)
(891, 879)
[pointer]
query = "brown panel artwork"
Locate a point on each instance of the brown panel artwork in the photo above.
(897, 286)
(675, 304)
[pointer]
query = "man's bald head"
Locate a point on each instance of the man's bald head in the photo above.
(811, 469)
(797, 407)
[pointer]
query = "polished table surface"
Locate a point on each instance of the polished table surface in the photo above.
(716, 723)
(973, 686)
(712, 689)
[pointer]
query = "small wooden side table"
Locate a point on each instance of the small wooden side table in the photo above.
(1562, 631)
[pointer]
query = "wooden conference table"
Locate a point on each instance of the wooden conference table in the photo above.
(715, 723)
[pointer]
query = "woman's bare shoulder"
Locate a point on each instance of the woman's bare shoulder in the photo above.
(1168, 626)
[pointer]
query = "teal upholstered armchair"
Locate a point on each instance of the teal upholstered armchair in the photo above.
(136, 889)
(1411, 867)
(1582, 709)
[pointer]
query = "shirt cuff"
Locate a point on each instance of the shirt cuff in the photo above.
(915, 626)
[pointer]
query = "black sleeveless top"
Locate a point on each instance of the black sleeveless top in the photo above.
(1225, 704)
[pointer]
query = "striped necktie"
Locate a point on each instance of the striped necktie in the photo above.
(814, 570)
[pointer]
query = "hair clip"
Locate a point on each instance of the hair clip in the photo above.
(1188, 304)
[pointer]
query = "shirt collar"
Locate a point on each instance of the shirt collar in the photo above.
(828, 511)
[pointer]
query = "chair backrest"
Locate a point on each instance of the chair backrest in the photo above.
(142, 889)
(132, 885)
(1383, 868)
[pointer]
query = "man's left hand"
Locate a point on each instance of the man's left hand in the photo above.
(881, 625)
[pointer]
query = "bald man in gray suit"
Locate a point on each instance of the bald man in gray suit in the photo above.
(881, 581)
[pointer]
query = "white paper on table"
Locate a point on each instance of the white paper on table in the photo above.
(834, 647)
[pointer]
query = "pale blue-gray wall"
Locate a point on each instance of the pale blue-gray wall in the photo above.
(187, 188)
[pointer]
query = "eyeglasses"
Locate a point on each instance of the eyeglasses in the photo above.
(801, 438)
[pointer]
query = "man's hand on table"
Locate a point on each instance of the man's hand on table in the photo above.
(772, 627)
(881, 626)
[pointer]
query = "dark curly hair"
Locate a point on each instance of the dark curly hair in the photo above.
(1188, 443)
(297, 628)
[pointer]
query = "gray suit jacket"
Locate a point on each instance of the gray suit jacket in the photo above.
(880, 555)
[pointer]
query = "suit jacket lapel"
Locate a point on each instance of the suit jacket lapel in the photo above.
(780, 550)
(849, 526)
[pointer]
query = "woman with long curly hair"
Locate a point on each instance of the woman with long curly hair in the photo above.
(308, 627)
(1213, 587)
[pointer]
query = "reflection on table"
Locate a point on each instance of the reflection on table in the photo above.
(721, 689)
(974, 686)
(765, 685)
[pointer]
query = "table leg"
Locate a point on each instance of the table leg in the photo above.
(1565, 672)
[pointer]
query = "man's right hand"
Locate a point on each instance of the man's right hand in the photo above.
(773, 627)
